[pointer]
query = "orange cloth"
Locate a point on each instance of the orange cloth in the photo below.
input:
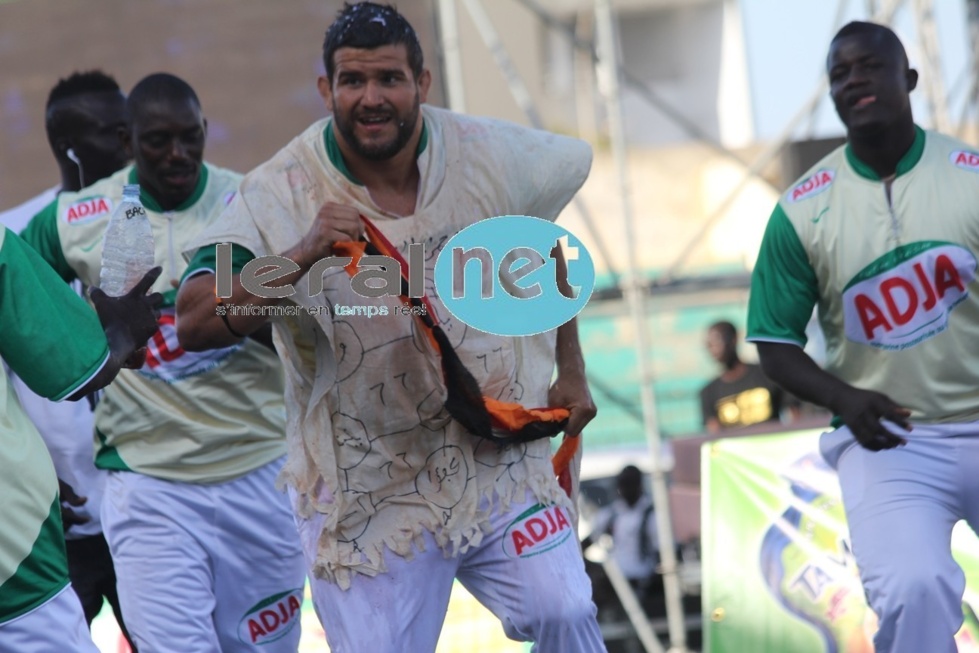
(351, 249)
(503, 415)
(514, 417)
(561, 462)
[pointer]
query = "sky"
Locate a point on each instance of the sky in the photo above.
(786, 42)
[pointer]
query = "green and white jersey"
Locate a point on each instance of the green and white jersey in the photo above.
(201, 417)
(55, 343)
(894, 277)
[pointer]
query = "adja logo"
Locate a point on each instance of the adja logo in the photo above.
(966, 160)
(814, 185)
(537, 530)
(88, 209)
(907, 295)
(272, 618)
(168, 361)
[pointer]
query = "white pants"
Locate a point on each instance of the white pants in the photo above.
(901, 505)
(528, 571)
(206, 568)
(56, 626)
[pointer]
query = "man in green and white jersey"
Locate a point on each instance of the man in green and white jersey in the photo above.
(883, 234)
(57, 346)
(201, 539)
(83, 115)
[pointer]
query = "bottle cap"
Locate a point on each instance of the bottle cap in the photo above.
(130, 190)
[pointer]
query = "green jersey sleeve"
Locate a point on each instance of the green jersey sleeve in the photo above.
(51, 339)
(41, 233)
(206, 260)
(784, 287)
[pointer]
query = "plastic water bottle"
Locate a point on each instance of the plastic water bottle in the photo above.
(127, 249)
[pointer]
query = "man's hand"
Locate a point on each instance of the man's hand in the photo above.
(133, 316)
(136, 360)
(862, 411)
(571, 391)
(334, 222)
(199, 327)
(128, 321)
(69, 517)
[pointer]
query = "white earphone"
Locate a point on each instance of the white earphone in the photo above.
(71, 155)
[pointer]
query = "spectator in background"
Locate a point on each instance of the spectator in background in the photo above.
(632, 525)
(742, 395)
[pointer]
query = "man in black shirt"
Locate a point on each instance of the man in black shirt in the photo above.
(742, 395)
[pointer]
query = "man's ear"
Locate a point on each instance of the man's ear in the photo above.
(325, 87)
(61, 147)
(912, 77)
(424, 83)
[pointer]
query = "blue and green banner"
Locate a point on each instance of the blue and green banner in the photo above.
(779, 574)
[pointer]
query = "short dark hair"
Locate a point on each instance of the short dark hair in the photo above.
(630, 474)
(82, 83)
(864, 28)
(60, 112)
(726, 329)
(158, 87)
(369, 25)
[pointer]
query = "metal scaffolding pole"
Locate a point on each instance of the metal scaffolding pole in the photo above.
(676, 116)
(630, 603)
(838, 17)
(503, 61)
(455, 87)
(491, 39)
(608, 69)
(584, 81)
(971, 102)
(934, 79)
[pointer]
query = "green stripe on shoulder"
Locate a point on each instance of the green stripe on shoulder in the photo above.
(107, 457)
(41, 233)
(206, 258)
(784, 287)
(42, 574)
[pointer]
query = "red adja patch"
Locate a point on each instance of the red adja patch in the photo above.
(86, 210)
(965, 160)
(814, 185)
(272, 618)
(537, 530)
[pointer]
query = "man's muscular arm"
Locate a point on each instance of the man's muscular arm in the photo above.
(570, 389)
(200, 327)
(861, 410)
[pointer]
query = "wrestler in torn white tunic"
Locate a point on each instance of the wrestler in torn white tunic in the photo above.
(370, 443)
